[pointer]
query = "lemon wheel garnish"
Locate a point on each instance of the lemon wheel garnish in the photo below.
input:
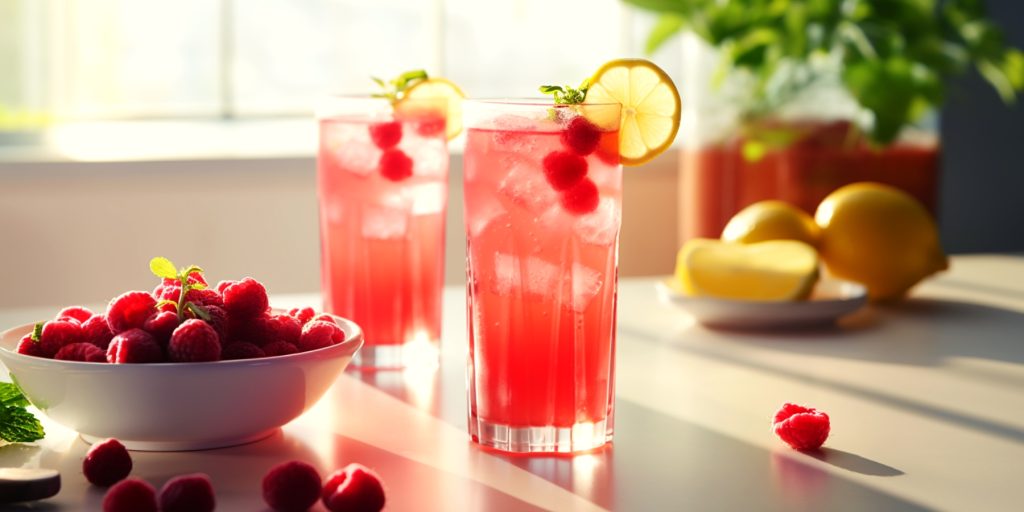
(442, 89)
(650, 106)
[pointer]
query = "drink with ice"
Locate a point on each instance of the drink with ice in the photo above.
(382, 189)
(543, 200)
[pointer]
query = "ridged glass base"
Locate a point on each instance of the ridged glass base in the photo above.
(396, 357)
(580, 437)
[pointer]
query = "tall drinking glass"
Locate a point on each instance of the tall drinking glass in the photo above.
(543, 196)
(382, 186)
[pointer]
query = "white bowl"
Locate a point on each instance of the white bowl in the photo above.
(178, 406)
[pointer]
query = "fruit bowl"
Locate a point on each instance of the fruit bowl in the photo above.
(178, 406)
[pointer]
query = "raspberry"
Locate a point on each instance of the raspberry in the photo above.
(431, 125)
(96, 331)
(106, 463)
(284, 328)
(802, 428)
(58, 333)
(30, 347)
(386, 135)
(324, 317)
(319, 334)
(130, 495)
(161, 325)
(291, 486)
(193, 278)
(395, 165)
(241, 350)
(134, 346)
(188, 493)
(130, 310)
(563, 169)
(582, 198)
(256, 330)
(218, 320)
(581, 136)
(83, 351)
(193, 341)
(246, 298)
(204, 297)
(77, 312)
(222, 285)
(302, 314)
(354, 488)
(279, 348)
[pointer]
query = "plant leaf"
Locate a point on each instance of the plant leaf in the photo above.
(37, 332)
(162, 267)
(667, 26)
(17, 425)
(199, 311)
(11, 395)
(192, 269)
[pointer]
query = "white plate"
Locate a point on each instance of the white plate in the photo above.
(830, 300)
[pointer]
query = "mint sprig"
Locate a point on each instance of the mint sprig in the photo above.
(17, 425)
(566, 95)
(394, 89)
(163, 268)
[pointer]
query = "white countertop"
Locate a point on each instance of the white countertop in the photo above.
(926, 400)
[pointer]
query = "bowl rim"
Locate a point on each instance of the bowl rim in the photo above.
(353, 341)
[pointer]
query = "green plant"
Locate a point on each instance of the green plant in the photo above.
(893, 55)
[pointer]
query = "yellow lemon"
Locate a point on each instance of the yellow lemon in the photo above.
(771, 220)
(650, 103)
(880, 237)
(439, 88)
(776, 270)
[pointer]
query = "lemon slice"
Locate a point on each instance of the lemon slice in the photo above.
(650, 106)
(442, 89)
(776, 270)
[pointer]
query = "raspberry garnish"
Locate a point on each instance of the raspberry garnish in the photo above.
(386, 135)
(30, 347)
(129, 310)
(284, 328)
(106, 463)
(395, 165)
(246, 298)
(279, 348)
(802, 428)
(302, 314)
(291, 486)
(319, 334)
(241, 350)
(188, 493)
(581, 136)
(161, 325)
(96, 331)
(581, 198)
(354, 488)
(134, 346)
(83, 351)
(58, 333)
(130, 495)
(77, 312)
(193, 341)
(564, 169)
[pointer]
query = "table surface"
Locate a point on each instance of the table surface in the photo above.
(926, 400)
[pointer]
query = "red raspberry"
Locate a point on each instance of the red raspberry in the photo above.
(319, 334)
(222, 285)
(581, 136)
(324, 317)
(279, 348)
(188, 493)
(241, 350)
(30, 347)
(204, 297)
(58, 333)
(96, 331)
(218, 320)
(134, 346)
(77, 312)
(193, 278)
(386, 135)
(256, 330)
(246, 298)
(302, 314)
(193, 341)
(83, 351)
(802, 428)
(431, 125)
(355, 488)
(161, 325)
(395, 165)
(291, 486)
(582, 198)
(106, 463)
(284, 328)
(130, 495)
(130, 310)
(563, 169)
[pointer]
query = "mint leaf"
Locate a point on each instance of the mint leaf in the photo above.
(162, 267)
(192, 269)
(198, 286)
(199, 311)
(11, 395)
(37, 332)
(17, 425)
(395, 88)
(163, 302)
(565, 95)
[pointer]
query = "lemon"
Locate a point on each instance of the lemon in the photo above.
(650, 103)
(771, 220)
(776, 270)
(439, 88)
(880, 237)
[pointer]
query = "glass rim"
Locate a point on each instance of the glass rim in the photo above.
(336, 104)
(531, 102)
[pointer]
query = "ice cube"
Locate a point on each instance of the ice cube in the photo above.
(384, 223)
(482, 209)
(429, 156)
(427, 198)
(586, 283)
(506, 273)
(357, 158)
(524, 185)
(541, 276)
(601, 226)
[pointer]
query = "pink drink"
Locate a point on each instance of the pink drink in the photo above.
(382, 210)
(541, 284)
